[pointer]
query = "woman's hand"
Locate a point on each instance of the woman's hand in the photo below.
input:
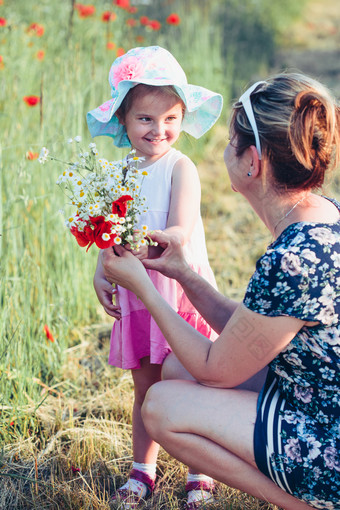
(141, 253)
(120, 266)
(171, 261)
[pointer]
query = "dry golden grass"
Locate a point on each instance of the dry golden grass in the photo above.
(82, 448)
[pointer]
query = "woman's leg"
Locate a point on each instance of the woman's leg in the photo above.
(145, 450)
(212, 430)
(173, 369)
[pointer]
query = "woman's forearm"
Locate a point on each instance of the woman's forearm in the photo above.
(215, 308)
(190, 347)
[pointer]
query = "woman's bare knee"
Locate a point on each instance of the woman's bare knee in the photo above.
(153, 409)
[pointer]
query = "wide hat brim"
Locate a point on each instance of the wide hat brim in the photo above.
(202, 106)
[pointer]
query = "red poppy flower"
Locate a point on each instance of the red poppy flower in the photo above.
(75, 469)
(108, 16)
(131, 22)
(120, 206)
(32, 155)
(84, 237)
(101, 227)
(85, 11)
(123, 4)
(120, 52)
(173, 19)
(140, 39)
(154, 24)
(2, 65)
(144, 20)
(133, 9)
(32, 100)
(40, 55)
(48, 333)
(110, 45)
(36, 29)
(3, 22)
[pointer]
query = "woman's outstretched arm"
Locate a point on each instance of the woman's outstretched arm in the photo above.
(248, 342)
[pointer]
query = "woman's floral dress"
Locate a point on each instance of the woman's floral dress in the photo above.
(297, 431)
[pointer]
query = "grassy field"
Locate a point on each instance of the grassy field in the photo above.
(65, 425)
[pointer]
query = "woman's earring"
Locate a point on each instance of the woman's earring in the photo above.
(249, 174)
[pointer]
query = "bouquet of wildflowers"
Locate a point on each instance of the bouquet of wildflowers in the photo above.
(105, 198)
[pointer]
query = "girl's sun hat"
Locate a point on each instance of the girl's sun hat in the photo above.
(155, 66)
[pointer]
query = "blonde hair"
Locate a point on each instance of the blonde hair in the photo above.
(299, 128)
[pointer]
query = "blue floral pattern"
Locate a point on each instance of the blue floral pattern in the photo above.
(299, 276)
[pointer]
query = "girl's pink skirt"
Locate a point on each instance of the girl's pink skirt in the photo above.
(137, 335)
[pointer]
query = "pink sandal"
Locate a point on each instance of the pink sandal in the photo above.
(130, 499)
(199, 486)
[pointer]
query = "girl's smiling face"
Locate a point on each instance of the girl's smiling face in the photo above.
(153, 124)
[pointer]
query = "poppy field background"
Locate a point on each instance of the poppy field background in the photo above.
(65, 415)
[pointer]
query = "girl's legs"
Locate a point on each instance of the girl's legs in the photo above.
(145, 450)
(215, 437)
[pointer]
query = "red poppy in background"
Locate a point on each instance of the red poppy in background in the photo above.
(3, 22)
(123, 4)
(48, 333)
(85, 11)
(40, 55)
(154, 24)
(32, 155)
(108, 16)
(120, 52)
(144, 20)
(133, 9)
(110, 45)
(173, 19)
(2, 65)
(140, 39)
(31, 100)
(131, 22)
(36, 29)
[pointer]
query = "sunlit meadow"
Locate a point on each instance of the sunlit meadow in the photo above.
(65, 426)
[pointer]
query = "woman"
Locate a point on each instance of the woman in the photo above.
(282, 444)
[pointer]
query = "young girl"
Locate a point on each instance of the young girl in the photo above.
(151, 103)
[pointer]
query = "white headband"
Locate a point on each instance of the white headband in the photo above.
(246, 102)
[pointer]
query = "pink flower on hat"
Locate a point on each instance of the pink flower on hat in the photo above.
(130, 68)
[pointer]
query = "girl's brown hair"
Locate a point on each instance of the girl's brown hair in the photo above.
(142, 88)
